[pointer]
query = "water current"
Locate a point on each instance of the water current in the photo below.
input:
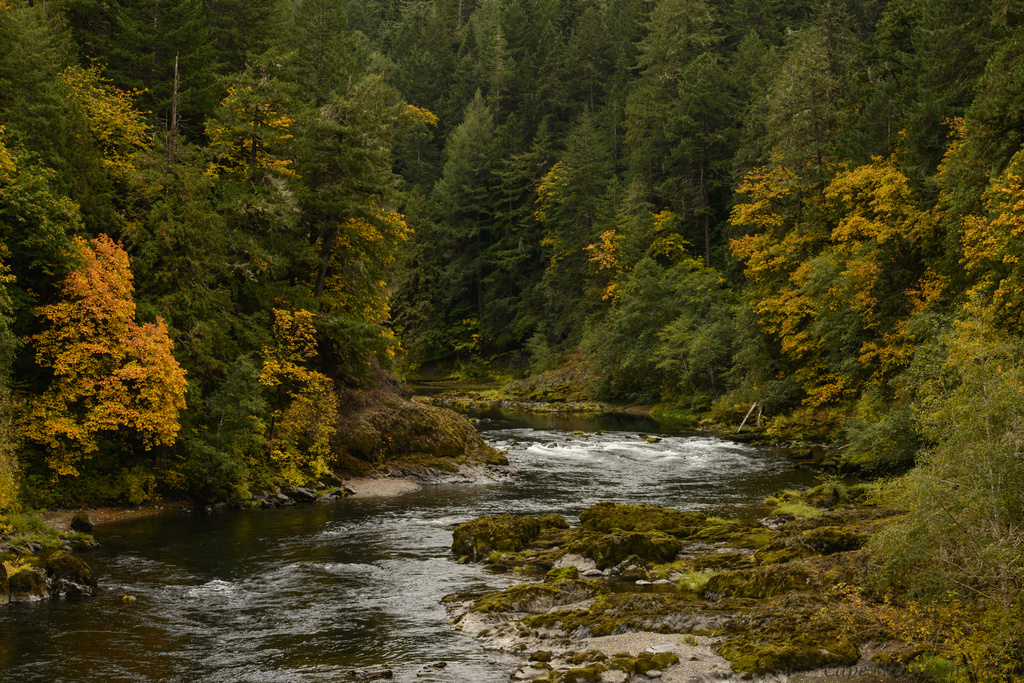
(309, 593)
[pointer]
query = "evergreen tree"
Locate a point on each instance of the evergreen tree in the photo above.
(465, 201)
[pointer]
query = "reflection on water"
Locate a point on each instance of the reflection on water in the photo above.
(307, 593)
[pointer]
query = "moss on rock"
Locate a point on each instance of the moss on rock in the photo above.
(607, 517)
(801, 651)
(477, 538)
(381, 428)
(61, 565)
(826, 540)
(537, 598)
(609, 549)
(562, 573)
(552, 521)
(760, 582)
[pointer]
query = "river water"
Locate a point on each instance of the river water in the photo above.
(309, 593)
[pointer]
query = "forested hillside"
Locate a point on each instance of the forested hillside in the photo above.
(218, 215)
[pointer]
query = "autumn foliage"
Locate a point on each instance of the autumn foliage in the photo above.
(305, 406)
(111, 376)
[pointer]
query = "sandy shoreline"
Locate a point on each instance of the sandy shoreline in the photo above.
(362, 488)
(379, 488)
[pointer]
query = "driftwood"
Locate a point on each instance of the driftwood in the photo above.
(752, 406)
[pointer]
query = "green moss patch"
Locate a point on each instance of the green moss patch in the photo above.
(607, 517)
(760, 582)
(800, 652)
(477, 538)
(537, 598)
(609, 549)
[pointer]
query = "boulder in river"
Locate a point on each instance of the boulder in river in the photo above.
(614, 516)
(5, 586)
(70, 576)
(82, 522)
(28, 585)
(538, 598)
(477, 538)
(608, 550)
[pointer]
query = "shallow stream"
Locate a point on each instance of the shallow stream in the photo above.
(308, 593)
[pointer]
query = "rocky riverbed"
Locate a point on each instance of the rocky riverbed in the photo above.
(638, 593)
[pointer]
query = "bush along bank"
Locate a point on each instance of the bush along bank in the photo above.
(787, 593)
(38, 562)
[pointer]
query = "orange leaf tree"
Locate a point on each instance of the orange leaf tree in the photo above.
(111, 376)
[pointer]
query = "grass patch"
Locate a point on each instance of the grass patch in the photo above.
(797, 508)
(722, 520)
(689, 580)
(32, 527)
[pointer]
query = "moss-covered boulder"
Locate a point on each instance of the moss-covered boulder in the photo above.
(608, 550)
(552, 521)
(736, 534)
(614, 613)
(5, 586)
(759, 582)
(608, 517)
(381, 428)
(562, 573)
(28, 585)
(800, 652)
(82, 522)
(780, 550)
(722, 561)
(70, 576)
(826, 540)
(537, 598)
(478, 537)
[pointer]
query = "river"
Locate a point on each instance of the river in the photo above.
(308, 593)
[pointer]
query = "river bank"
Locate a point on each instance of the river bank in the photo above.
(639, 592)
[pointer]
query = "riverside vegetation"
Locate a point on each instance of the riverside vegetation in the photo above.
(224, 223)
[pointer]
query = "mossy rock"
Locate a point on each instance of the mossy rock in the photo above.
(82, 522)
(614, 613)
(826, 540)
(585, 657)
(607, 517)
(28, 585)
(381, 427)
(609, 549)
(552, 521)
(477, 538)
(779, 551)
(562, 573)
(760, 582)
(736, 534)
(589, 674)
(61, 565)
(722, 561)
(5, 585)
(797, 653)
(538, 598)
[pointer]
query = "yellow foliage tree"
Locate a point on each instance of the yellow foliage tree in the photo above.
(117, 128)
(305, 405)
(835, 274)
(993, 244)
(110, 374)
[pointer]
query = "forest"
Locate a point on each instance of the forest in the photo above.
(218, 216)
